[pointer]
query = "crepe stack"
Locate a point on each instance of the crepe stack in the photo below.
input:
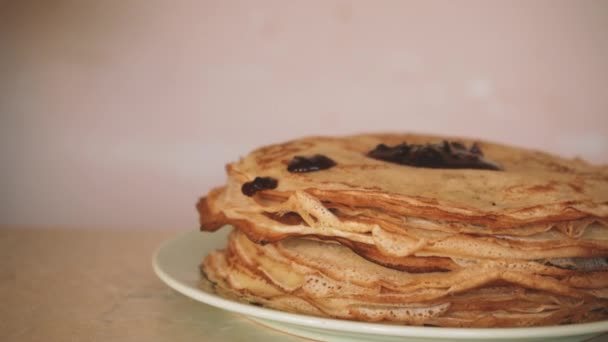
(413, 229)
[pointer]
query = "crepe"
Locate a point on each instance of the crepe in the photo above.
(327, 279)
(428, 206)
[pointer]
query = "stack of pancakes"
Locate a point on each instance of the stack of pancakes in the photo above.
(413, 229)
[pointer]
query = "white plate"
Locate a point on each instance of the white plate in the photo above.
(176, 263)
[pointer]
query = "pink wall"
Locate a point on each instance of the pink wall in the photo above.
(120, 113)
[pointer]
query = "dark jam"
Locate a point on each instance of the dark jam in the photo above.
(317, 162)
(446, 155)
(258, 184)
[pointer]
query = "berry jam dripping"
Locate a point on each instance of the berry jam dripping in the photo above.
(317, 162)
(258, 184)
(446, 155)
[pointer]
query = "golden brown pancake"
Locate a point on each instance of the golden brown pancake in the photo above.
(473, 218)
(327, 279)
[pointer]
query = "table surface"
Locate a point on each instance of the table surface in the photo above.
(98, 285)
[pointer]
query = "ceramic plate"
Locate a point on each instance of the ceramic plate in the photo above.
(176, 263)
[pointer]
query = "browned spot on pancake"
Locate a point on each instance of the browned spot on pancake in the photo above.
(274, 195)
(541, 188)
(290, 218)
(576, 187)
(352, 185)
(458, 176)
(551, 164)
(538, 188)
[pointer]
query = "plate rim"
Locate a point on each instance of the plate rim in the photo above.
(360, 327)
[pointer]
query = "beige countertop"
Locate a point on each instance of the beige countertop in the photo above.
(98, 285)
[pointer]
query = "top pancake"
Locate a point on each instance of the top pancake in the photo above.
(526, 221)
(533, 187)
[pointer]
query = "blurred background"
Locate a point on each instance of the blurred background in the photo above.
(121, 113)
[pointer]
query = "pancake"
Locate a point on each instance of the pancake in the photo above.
(532, 187)
(398, 240)
(327, 279)
(448, 219)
